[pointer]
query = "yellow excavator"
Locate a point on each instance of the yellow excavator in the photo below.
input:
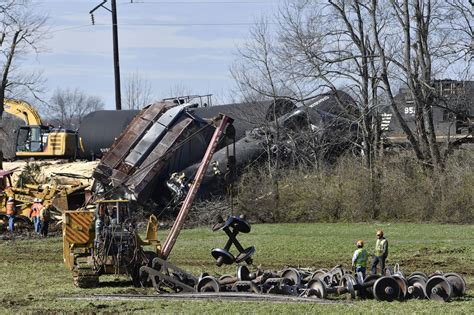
(36, 140)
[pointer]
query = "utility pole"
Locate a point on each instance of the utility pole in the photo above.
(113, 11)
(118, 96)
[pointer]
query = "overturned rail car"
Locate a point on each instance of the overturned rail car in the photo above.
(166, 138)
(100, 129)
(156, 142)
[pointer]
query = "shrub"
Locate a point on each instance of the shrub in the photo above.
(398, 189)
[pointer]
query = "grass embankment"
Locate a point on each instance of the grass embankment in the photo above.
(33, 277)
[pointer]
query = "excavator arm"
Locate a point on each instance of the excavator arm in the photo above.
(24, 111)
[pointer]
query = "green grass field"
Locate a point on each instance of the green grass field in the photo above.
(34, 279)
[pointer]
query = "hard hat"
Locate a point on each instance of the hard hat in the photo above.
(35, 200)
(360, 243)
(11, 199)
(379, 232)
(40, 200)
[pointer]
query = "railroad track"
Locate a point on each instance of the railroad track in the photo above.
(219, 296)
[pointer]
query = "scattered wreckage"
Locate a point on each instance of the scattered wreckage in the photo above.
(394, 285)
(56, 197)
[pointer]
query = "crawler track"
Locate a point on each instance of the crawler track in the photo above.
(221, 296)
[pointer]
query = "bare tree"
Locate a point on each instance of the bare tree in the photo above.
(418, 41)
(138, 92)
(22, 30)
(371, 48)
(257, 76)
(330, 44)
(67, 107)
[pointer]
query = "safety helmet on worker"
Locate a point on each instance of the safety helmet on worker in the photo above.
(379, 233)
(11, 200)
(360, 243)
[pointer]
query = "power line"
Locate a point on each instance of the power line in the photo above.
(71, 28)
(170, 2)
(177, 2)
(196, 2)
(191, 24)
(154, 24)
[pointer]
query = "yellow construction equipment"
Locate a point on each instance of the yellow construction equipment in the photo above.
(104, 240)
(36, 140)
(56, 197)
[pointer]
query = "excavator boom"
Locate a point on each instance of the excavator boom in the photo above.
(24, 111)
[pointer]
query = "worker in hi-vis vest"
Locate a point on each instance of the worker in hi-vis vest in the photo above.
(359, 261)
(381, 253)
(11, 213)
(35, 214)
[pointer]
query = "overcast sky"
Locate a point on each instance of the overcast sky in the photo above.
(187, 44)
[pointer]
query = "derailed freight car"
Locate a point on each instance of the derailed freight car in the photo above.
(162, 139)
(168, 138)
(100, 129)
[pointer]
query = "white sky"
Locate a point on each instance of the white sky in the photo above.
(188, 44)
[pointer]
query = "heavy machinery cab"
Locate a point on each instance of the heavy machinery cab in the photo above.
(116, 212)
(37, 140)
(115, 232)
(32, 138)
(116, 245)
(45, 141)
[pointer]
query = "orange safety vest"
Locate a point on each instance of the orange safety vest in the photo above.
(11, 208)
(36, 209)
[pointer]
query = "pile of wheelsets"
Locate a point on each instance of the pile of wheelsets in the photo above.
(322, 283)
(298, 282)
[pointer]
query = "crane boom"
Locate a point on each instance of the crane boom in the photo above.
(183, 212)
(24, 111)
